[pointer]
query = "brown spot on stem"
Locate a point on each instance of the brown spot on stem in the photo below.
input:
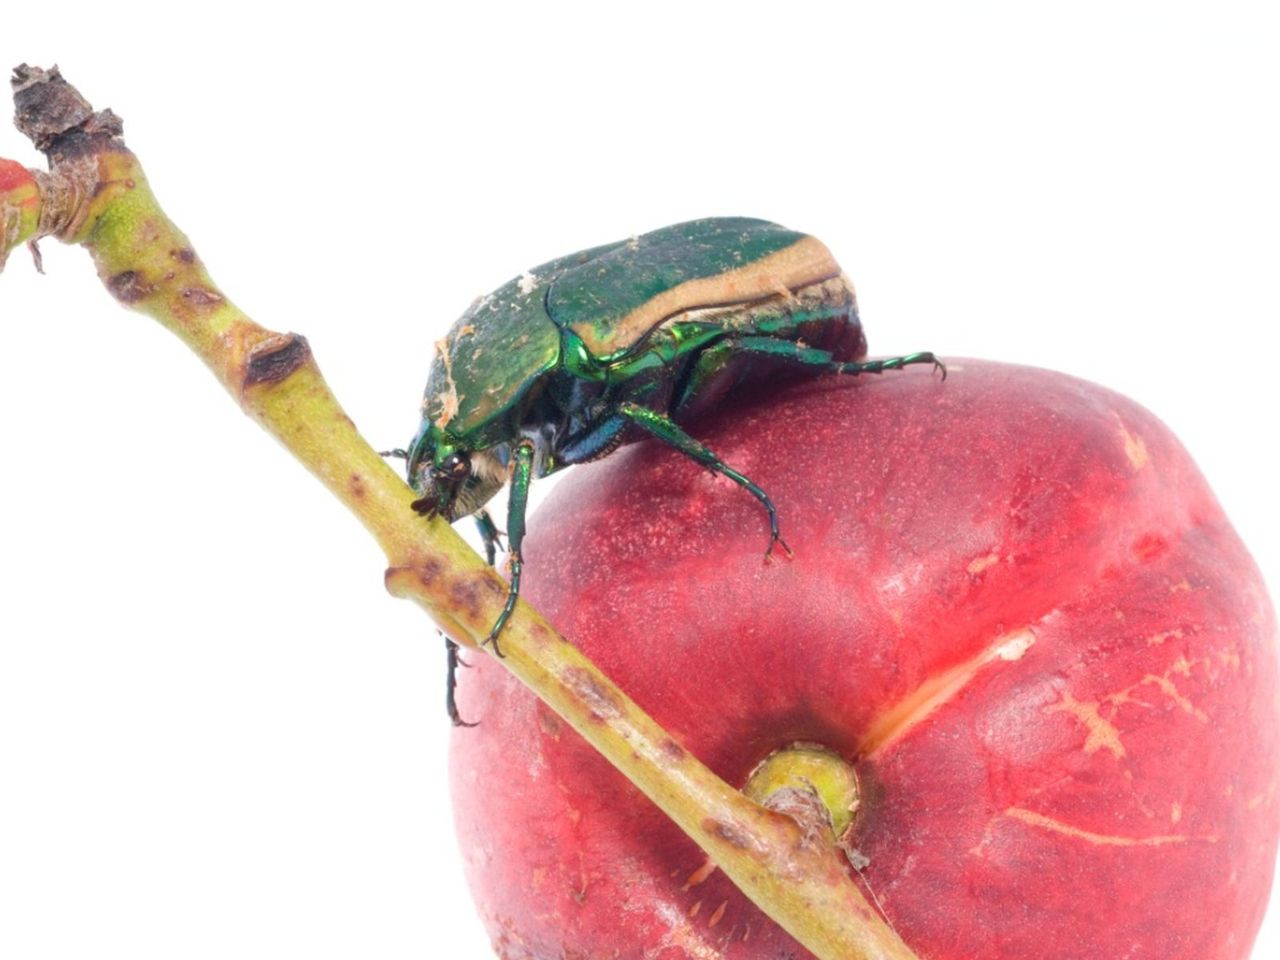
(466, 596)
(183, 255)
(355, 483)
(201, 297)
(429, 571)
(468, 593)
(129, 288)
(602, 702)
(730, 833)
(672, 751)
(275, 358)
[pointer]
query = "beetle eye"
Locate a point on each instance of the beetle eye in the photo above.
(456, 466)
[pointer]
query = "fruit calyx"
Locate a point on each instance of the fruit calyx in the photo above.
(812, 785)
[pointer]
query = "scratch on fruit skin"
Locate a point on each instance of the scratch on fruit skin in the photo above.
(1170, 690)
(1259, 799)
(1134, 447)
(1031, 818)
(700, 875)
(680, 936)
(981, 563)
(939, 689)
(1165, 684)
(1102, 732)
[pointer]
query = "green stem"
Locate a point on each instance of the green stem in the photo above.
(98, 197)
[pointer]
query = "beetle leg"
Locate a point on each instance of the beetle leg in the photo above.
(667, 431)
(711, 362)
(521, 477)
(396, 454)
(452, 662)
(810, 357)
(489, 534)
(891, 363)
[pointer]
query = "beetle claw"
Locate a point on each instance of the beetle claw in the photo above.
(777, 541)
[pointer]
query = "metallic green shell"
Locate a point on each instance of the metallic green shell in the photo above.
(612, 297)
(494, 355)
(595, 299)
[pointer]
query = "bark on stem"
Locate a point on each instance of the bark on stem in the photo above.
(97, 196)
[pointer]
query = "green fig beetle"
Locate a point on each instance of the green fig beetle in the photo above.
(574, 358)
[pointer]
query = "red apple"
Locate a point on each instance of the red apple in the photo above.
(1014, 606)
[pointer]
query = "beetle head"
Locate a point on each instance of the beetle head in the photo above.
(454, 481)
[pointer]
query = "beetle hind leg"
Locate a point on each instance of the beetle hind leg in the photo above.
(891, 363)
(668, 432)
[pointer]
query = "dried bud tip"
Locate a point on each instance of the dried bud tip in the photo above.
(54, 115)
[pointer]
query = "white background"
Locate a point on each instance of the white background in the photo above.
(218, 736)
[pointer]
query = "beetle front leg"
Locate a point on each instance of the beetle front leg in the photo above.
(521, 477)
(489, 535)
(666, 430)
(452, 662)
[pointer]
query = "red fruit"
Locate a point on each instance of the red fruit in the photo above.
(14, 175)
(1014, 605)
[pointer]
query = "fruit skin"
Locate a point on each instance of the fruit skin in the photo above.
(1108, 790)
